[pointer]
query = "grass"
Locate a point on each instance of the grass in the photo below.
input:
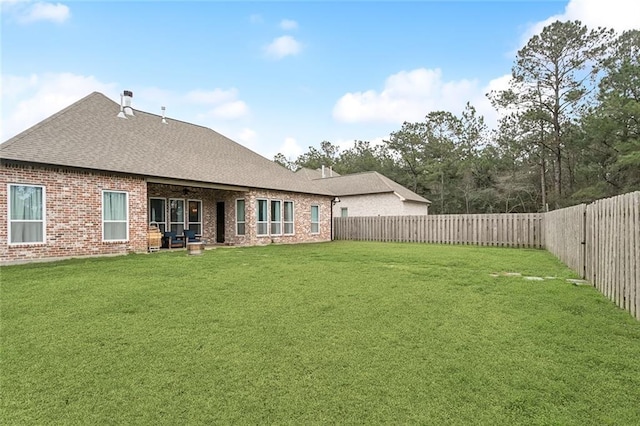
(338, 332)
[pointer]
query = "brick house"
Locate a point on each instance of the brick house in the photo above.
(368, 194)
(89, 179)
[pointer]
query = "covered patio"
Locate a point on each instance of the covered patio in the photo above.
(207, 212)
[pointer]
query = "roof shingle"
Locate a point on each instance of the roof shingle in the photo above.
(362, 183)
(88, 134)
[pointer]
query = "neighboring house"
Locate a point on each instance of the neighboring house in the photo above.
(368, 194)
(89, 180)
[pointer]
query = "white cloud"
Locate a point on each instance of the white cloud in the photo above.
(344, 144)
(283, 46)
(26, 12)
(13, 85)
(406, 96)
(482, 103)
(37, 96)
(247, 135)
(230, 110)
(220, 104)
(29, 99)
(288, 24)
(226, 105)
(377, 141)
(244, 136)
(619, 15)
(410, 96)
(290, 148)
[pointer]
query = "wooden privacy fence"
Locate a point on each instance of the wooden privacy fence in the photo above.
(509, 230)
(565, 236)
(613, 249)
(599, 241)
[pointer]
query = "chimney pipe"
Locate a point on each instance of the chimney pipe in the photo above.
(127, 96)
(323, 171)
(121, 113)
(164, 120)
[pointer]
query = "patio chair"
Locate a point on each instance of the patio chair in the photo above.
(190, 236)
(171, 240)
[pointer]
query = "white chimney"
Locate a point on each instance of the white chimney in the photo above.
(127, 96)
(330, 171)
(323, 171)
(164, 120)
(121, 113)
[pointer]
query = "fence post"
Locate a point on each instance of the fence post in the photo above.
(584, 243)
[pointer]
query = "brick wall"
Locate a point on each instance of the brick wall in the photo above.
(73, 213)
(211, 197)
(302, 218)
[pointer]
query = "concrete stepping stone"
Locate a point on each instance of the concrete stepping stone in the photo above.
(577, 282)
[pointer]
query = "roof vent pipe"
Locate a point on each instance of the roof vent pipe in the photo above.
(330, 171)
(121, 113)
(128, 95)
(164, 120)
(323, 171)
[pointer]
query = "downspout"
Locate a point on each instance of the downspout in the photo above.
(334, 201)
(331, 226)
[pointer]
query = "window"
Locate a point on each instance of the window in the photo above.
(276, 217)
(176, 216)
(315, 219)
(262, 217)
(344, 212)
(240, 224)
(26, 214)
(288, 217)
(158, 212)
(115, 216)
(194, 216)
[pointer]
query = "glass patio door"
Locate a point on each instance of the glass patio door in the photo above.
(158, 212)
(176, 216)
(195, 216)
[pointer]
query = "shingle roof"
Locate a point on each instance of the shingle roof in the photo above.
(88, 134)
(367, 183)
(316, 174)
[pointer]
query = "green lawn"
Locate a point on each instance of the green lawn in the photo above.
(339, 332)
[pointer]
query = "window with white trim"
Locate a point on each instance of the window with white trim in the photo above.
(240, 217)
(194, 216)
(27, 213)
(288, 218)
(115, 216)
(262, 217)
(176, 215)
(158, 212)
(276, 217)
(315, 219)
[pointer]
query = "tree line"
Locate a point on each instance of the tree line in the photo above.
(569, 132)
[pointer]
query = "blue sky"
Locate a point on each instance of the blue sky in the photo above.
(275, 76)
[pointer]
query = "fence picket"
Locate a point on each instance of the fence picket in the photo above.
(635, 254)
